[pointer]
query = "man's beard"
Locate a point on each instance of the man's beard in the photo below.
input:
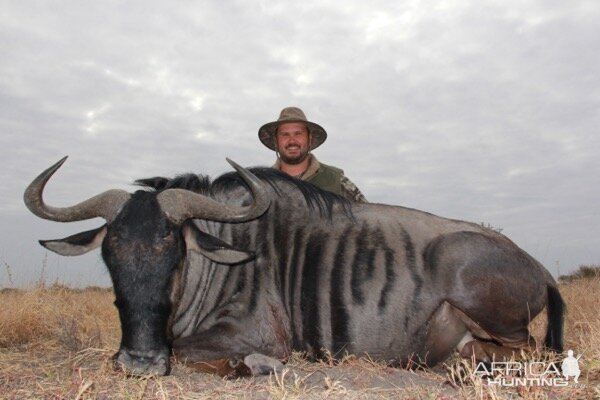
(294, 160)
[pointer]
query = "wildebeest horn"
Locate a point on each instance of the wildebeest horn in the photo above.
(180, 204)
(105, 205)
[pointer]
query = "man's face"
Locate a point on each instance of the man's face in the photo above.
(293, 142)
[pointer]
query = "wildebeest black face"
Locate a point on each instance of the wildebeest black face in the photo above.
(145, 239)
(141, 249)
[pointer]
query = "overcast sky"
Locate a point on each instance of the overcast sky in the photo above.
(487, 111)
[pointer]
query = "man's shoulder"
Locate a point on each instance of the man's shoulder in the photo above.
(331, 168)
(333, 179)
(327, 177)
(347, 188)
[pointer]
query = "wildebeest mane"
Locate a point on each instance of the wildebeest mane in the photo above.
(317, 200)
(195, 183)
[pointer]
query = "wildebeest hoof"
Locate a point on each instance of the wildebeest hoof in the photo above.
(259, 364)
(231, 368)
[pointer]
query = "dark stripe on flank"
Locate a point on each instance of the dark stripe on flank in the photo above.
(362, 265)
(310, 298)
(411, 263)
(293, 278)
(430, 255)
(390, 277)
(339, 314)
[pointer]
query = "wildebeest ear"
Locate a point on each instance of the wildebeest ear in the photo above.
(212, 247)
(78, 244)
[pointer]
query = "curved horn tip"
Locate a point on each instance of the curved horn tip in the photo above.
(233, 163)
(58, 164)
(45, 175)
(61, 161)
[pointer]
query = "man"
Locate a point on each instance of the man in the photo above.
(292, 137)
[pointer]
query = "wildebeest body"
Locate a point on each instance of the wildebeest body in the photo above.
(366, 283)
(323, 275)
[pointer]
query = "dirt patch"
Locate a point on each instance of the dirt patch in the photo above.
(88, 374)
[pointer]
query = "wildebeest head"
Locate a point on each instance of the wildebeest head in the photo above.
(144, 241)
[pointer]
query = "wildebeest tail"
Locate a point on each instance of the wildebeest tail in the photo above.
(556, 311)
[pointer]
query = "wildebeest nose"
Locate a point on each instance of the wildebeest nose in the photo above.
(136, 362)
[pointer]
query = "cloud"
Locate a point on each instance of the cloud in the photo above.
(486, 112)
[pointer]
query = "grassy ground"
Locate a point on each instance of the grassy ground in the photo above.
(57, 343)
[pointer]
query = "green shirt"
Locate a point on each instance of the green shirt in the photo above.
(329, 178)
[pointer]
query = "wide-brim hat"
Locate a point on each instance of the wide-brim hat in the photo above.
(267, 132)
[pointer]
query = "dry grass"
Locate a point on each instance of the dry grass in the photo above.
(57, 343)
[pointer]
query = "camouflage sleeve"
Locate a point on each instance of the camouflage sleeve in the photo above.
(351, 192)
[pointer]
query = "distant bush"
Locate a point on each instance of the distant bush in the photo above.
(584, 272)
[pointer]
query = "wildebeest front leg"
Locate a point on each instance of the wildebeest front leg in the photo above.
(251, 365)
(234, 367)
(220, 352)
(225, 367)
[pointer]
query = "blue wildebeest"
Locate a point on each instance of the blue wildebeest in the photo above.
(258, 263)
